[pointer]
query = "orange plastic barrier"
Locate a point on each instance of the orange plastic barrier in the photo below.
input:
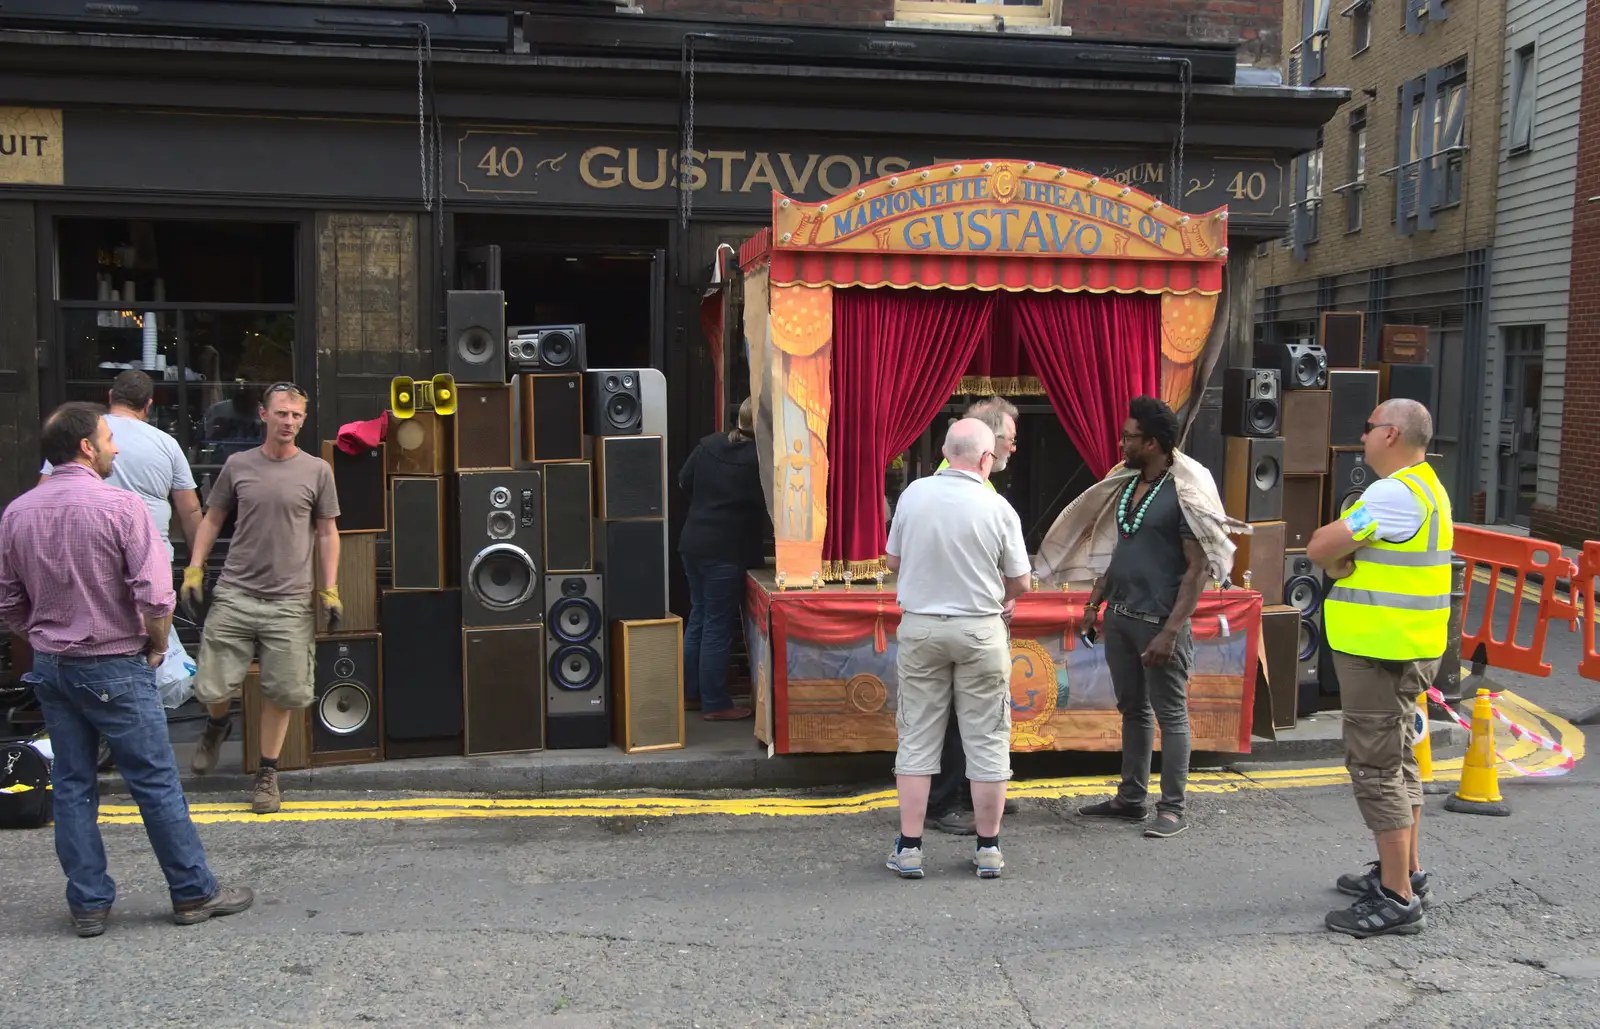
(1503, 554)
(1583, 600)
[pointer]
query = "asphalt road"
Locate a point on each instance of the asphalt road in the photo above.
(748, 921)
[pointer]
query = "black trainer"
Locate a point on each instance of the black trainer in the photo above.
(1111, 809)
(1360, 884)
(1378, 915)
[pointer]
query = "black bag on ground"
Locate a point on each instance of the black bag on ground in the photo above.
(26, 799)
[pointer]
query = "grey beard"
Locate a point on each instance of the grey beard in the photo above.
(1000, 463)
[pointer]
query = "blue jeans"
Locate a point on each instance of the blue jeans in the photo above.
(715, 591)
(83, 699)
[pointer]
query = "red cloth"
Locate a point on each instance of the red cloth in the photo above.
(354, 437)
(897, 357)
(1094, 352)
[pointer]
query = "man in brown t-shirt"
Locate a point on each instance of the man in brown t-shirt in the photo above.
(284, 499)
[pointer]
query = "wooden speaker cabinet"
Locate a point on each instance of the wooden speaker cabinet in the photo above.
(1253, 491)
(1342, 337)
(1280, 635)
(1306, 415)
(358, 480)
(485, 429)
(503, 675)
(1404, 344)
(1302, 508)
(647, 684)
(418, 445)
(296, 752)
(345, 723)
(358, 583)
(1261, 554)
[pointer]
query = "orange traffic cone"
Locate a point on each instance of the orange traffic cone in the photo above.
(1479, 793)
(1423, 748)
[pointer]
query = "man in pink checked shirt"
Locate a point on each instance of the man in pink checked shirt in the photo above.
(84, 574)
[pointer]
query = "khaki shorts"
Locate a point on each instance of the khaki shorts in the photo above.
(285, 630)
(964, 663)
(1380, 716)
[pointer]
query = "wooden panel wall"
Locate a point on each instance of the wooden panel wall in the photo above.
(19, 354)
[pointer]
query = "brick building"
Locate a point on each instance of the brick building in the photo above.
(1576, 514)
(1397, 224)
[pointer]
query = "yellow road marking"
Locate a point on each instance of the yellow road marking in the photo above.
(431, 808)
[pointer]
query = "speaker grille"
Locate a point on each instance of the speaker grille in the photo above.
(633, 477)
(568, 517)
(649, 669)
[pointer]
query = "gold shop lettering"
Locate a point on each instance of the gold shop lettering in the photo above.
(30, 146)
(733, 171)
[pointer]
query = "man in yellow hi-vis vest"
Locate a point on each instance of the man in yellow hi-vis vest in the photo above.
(1386, 618)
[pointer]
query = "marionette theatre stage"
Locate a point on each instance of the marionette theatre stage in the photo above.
(864, 315)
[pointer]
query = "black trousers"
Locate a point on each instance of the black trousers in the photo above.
(950, 790)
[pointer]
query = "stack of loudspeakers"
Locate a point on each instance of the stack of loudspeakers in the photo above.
(560, 497)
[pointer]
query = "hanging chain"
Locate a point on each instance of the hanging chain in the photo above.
(425, 149)
(685, 159)
(1185, 76)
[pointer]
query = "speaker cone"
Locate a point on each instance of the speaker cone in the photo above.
(1310, 639)
(557, 349)
(575, 619)
(502, 525)
(622, 410)
(1307, 370)
(574, 587)
(1266, 473)
(1263, 416)
(502, 577)
(475, 346)
(1349, 501)
(344, 668)
(409, 435)
(575, 668)
(1304, 594)
(1358, 475)
(345, 708)
(1300, 564)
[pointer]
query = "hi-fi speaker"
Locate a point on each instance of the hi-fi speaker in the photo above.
(422, 700)
(502, 548)
(551, 417)
(504, 691)
(358, 481)
(1404, 344)
(611, 403)
(418, 557)
(1302, 583)
(546, 348)
(577, 711)
(1280, 637)
(632, 474)
(1342, 338)
(647, 684)
(1307, 414)
(1251, 402)
(1300, 365)
(485, 429)
(475, 335)
(1407, 382)
(346, 709)
(1261, 555)
(358, 583)
(632, 557)
(1205, 441)
(1355, 395)
(1254, 488)
(568, 517)
(1302, 509)
(418, 445)
(1351, 477)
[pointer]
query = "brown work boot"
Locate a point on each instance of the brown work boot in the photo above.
(205, 757)
(228, 900)
(265, 798)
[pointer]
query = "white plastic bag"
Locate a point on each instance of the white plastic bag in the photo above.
(175, 676)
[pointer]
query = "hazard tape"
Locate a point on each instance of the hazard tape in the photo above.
(1518, 732)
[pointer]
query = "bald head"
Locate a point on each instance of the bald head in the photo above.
(966, 444)
(1412, 421)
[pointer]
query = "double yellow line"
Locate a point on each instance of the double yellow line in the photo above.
(644, 806)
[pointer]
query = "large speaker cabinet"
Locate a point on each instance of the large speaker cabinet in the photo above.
(1407, 382)
(1306, 417)
(1355, 394)
(1302, 509)
(417, 551)
(485, 429)
(1351, 477)
(1251, 401)
(502, 548)
(576, 699)
(358, 583)
(1280, 636)
(346, 717)
(358, 481)
(1205, 442)
(1342, 336)
(1299, 365)
(647, 684)
(504, 690)
(296, 741)
(419, 445)
(1254, 488)
(1261, 554)
(422, 702)
(632, 557)
(632, 474)
(475, 336)
(552, 417)
(569, 517)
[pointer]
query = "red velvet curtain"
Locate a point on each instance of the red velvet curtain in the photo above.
(897, 357)
(1094, 352)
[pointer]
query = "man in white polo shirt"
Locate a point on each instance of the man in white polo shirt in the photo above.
(957, 549)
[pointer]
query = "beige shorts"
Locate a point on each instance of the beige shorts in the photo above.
(1379, 699)
(947, 662)
(284, 629)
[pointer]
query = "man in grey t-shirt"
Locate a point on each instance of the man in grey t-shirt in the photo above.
(149, 462)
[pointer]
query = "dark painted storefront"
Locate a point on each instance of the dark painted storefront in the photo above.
(297, 210)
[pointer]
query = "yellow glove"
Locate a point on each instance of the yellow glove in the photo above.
(194, 586)
(333, 605)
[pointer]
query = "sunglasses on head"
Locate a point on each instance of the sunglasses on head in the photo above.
(283, 387)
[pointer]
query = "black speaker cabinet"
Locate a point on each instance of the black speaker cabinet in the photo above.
(633, 559)
(552, 417)
(612, 405)
(1355, 395)
(504, 690)
(422, 704)
(1342, 337)
(632, 472)
(358, 480)
(1398, 382)
(475, 335)
(1251, 402)
(1205, 441)
(569, 517)
(502, 548)
(346, 714)
(575, 654)
(1351, 477)
(417, 552)
(547, 348)
(1280, 636)
(1299, 365)
(1302, 583)
(1254, 488)
(1311, 660)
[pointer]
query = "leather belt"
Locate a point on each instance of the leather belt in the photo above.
(1118, 609)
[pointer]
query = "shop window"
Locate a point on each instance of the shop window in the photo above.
(1524, 91)
(206, 308)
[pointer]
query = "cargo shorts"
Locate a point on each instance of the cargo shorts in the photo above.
(238, 625)
(1380, 735)
(951, 663)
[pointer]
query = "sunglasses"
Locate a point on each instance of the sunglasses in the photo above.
(1376, 425)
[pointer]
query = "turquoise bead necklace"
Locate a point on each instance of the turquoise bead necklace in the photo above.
(1126, 527)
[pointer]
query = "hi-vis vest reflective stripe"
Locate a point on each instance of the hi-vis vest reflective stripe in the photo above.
(946, 464)
(1395, 606)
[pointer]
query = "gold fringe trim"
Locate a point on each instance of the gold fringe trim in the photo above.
(1160, 290)
(1007, 386)
(860, 571)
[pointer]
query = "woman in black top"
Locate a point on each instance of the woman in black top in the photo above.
(722, 536)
